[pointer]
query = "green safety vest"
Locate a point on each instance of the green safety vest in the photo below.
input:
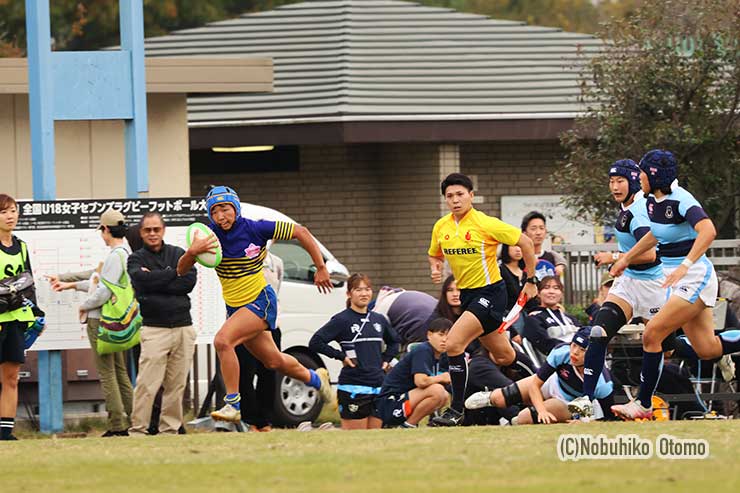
(15, 264)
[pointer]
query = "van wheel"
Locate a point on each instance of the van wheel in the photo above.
(295, 401)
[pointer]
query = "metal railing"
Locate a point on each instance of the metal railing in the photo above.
(582, 277)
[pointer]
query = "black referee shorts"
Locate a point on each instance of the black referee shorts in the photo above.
(488, 304)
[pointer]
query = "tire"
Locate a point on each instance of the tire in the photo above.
(295, 401)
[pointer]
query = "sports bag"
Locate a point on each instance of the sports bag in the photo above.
(120, 320)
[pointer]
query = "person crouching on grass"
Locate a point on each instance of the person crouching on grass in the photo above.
(415, 387)
(361, 335)
(251, 304)
(558, 381)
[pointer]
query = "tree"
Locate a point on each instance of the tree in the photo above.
(93, 24)
(668, 77)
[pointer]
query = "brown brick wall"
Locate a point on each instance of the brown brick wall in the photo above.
(510, 168)
(355, 199)
(374, 206)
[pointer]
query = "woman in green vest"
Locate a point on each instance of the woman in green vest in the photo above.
(13, 321)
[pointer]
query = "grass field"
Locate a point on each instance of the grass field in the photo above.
(477, 459)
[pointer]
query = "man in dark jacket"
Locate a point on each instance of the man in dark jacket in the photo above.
(167, 336)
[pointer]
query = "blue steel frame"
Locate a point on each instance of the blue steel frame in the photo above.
(94, 85)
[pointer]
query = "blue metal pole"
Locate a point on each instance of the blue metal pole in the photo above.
(132, 40)
(40, 98)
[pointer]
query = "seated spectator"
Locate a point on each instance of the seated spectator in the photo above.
(557, 382)
(449, 305)
(407, 311)
(415, 387)
(514, 277)
(549, 263)
(360, 334)
(549, 325)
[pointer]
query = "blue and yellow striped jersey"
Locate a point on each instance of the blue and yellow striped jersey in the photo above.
(244, 251)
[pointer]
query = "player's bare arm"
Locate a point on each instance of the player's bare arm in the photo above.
(530, 261)
(435, 265)
(538, 401)
(207, 244)
(321, 277)
(706, 233)
(423, 381)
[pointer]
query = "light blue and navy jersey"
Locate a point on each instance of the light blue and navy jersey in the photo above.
(632, 224)
(365, 333)
(570, 383)
(419, 360)
(672, 221)
(244, 251)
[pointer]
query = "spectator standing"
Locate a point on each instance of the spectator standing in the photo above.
(360, 334)
(114, 378)
(167, 334)
(14, 320)
(549, 263)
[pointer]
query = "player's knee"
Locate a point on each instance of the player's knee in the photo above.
(10, 380)
(439, 393)
(221, 343)
(611, 317)
(455, 347)
(511, 395)
(651, 338)
(498, 399)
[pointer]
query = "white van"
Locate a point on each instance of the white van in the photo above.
(302, 310)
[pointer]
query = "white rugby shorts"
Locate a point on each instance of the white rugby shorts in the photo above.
(645, 296)
(700, 282)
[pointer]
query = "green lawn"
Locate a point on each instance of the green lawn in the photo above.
(469, 459)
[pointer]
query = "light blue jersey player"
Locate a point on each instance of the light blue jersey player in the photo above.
(682, 231)
(637, 293)
(559, 380)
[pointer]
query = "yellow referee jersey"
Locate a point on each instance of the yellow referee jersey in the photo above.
(470, 246)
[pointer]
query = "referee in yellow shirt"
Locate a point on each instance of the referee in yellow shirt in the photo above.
(468, 239)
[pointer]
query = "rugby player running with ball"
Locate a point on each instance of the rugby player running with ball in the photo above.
(251, 304)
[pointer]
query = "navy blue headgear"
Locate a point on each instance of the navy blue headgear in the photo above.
(660, 167)
(581, 337)
(220, 195)
(628, 169)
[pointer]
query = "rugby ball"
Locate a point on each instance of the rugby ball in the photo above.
(200, 230)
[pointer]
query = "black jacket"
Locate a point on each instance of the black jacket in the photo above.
(162, 294)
